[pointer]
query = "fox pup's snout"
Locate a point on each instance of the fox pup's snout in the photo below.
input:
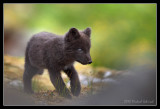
(89, 62)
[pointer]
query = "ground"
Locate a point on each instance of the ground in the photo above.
(92, 80)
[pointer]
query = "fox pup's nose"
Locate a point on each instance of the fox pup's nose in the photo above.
(89, 62)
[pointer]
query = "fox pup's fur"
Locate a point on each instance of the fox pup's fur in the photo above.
(55, 53)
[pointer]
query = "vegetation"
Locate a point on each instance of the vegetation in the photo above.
(123, 35)
(45, 93)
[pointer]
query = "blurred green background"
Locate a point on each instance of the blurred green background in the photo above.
(123, 35)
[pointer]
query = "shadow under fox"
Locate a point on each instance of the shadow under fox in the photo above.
(53, 52)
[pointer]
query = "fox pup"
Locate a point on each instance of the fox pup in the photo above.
(53, 52)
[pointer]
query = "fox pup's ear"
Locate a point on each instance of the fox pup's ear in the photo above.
(87, 31)
(72, 34)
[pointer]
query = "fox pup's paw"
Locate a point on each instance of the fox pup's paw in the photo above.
(66, 94)
(75, 89)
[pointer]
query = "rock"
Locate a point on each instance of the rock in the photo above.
(17, 84)
(96, 80)
(109, 80)
(85, 82)
(107, 74)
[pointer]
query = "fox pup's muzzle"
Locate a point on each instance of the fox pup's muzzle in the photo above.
(89, 62)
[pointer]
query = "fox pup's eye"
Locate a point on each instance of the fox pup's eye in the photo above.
(80, 50)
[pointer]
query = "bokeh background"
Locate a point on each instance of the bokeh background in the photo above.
(123, 35)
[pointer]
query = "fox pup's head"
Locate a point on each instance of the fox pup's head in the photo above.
(77, 44)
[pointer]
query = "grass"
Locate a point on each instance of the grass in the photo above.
(42, 86)
(37, 86)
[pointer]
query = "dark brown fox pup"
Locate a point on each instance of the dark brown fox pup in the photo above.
(55, 53)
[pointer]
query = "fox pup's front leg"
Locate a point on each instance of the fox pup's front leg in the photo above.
(58, 83)
(75, 83)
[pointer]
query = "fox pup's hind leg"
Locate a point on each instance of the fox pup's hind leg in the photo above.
(58, 83)
(75, 83)
(29, 72)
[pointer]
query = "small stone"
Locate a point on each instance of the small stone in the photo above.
(107, 74)
(16, 83)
